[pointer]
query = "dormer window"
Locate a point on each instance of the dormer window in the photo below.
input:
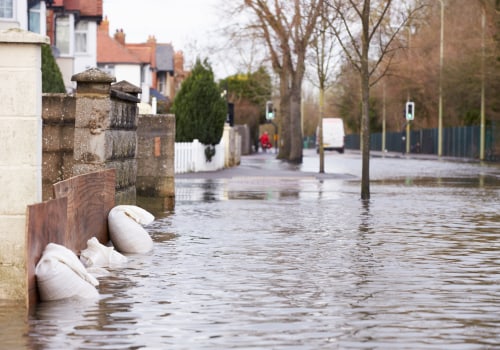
(7, 9)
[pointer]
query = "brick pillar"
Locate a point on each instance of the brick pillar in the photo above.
(105, 129)
(20, 151)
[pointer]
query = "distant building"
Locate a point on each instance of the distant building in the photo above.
(71, 26)
(72, 29)
(115, 59)
(151, 65)
(26, 15)
(80, 40)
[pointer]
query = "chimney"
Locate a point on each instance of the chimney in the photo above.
(179, 62)
(152, 44)
(151, 39)
(104, 26)
(120, 36)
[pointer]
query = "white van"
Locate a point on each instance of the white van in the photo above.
(333, 135)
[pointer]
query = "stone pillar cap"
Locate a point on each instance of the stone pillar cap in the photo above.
(17, 35)
(127, 87)
(93, 75)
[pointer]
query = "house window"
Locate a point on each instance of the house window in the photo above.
(81, 34)
(7, 9)
(107, 68)
(34, 24)
(161, 83)
(63, 35)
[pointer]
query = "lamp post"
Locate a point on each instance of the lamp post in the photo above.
(440, 107)
(408, 99)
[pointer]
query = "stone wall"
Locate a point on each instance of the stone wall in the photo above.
(105, 130)
(246, 144)
(155, 183)
(93, 130)
(99, 128)
(58, 115)
(232, 143)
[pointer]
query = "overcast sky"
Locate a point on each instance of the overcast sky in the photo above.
(176, 21)
(189, 25)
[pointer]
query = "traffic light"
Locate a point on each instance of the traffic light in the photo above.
(269, 110)
(410, 110)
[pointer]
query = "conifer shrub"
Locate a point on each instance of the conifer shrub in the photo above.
(52, 80)
(200, 110)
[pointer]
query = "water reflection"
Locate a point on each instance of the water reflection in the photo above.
(13, 325)
(89, 324)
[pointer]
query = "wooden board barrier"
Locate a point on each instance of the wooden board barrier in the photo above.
(78, 212)
(46, 223)
(90, 198)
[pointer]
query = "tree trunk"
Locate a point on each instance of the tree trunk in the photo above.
(319, 135)
(365, 108)
(365, 126)
(295, 155)
(284, 141)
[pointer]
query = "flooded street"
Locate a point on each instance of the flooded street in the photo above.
(272, 256)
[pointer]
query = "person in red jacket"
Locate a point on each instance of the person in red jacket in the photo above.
(264, 141)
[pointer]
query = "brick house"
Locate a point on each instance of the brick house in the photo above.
(71, 26)
(150, 64)
(72, 29)
(80, 40)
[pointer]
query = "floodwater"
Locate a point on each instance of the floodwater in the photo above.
(293, 261)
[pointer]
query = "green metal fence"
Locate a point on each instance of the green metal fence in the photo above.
(457, 142)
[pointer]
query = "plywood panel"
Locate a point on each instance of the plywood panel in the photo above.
(78, 212)
(46, 223)
(90, 198)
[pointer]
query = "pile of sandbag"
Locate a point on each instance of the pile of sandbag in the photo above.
(61, 274)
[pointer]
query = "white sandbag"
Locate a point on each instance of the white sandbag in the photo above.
(61, 275)
(137, 214)
(99, 255)
(125, 230)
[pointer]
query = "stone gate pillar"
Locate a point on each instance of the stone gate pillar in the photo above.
(105, 129)
(155, 162)
(20, 151)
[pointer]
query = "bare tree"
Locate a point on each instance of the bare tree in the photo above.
(366, 30)
(286, 27)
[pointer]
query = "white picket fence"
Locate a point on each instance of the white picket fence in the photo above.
(190, 157)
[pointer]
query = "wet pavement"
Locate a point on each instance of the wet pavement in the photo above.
(266, 165)
(383, 165)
